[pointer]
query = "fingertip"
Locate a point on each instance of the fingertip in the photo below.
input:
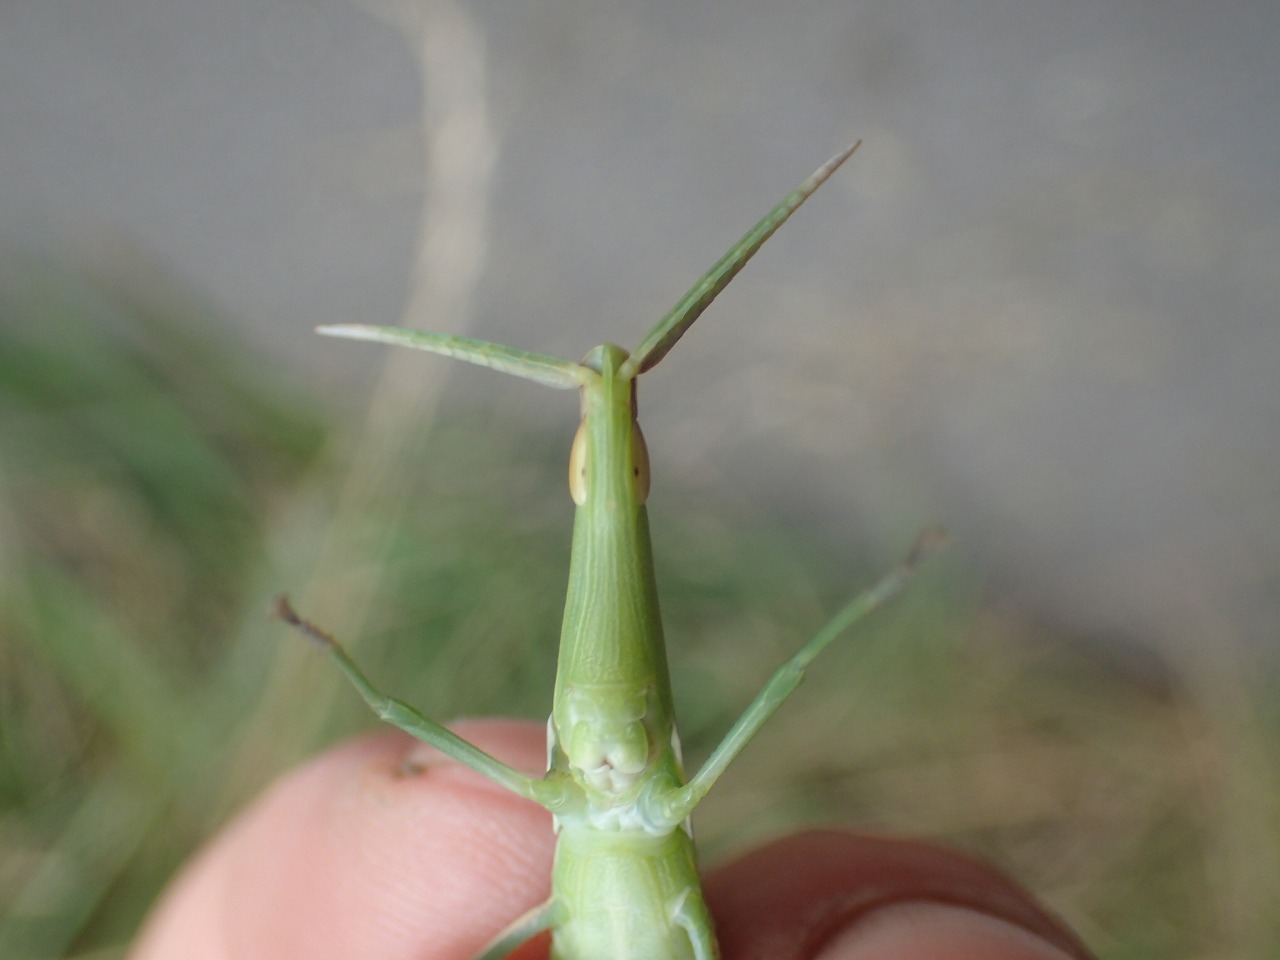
(913, 930)
(379, 847)
(829, 891)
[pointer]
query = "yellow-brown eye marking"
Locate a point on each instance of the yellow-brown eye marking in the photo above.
(578, 465)
(639, 465)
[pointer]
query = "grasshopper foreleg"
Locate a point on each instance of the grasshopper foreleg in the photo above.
(400, 714)
(788, 676)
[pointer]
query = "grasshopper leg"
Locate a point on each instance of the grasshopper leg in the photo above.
(691, 915)
(400, 714)
(542, 917)
(786, 678)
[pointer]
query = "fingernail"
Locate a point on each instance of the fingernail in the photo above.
(935, 931)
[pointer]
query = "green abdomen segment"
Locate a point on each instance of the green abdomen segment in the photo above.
(628, 896)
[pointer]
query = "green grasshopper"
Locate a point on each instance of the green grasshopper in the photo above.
(625, 881)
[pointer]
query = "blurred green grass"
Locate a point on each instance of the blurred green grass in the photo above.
(159, 482)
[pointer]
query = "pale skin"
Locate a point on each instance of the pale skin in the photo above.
(624, 878)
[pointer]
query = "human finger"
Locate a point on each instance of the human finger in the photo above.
(381, 847)
(829, 895)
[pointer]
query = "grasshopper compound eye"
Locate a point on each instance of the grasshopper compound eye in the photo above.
(639, 466)
(578, 465)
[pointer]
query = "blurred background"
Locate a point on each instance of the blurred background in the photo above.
(1041, 306)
